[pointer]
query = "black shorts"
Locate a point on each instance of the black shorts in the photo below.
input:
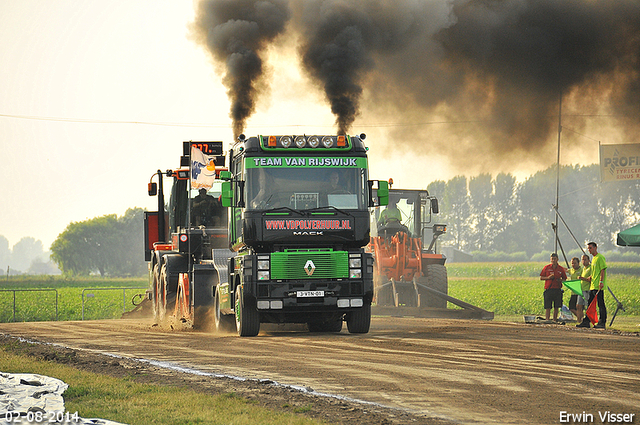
(573, 302)
(553, 298)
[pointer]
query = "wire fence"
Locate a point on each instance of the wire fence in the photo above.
(31, 305)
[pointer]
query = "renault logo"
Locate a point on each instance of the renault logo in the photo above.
(309, 267)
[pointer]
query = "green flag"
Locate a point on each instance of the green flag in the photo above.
(574, 285)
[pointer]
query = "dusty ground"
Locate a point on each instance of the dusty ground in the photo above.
(430, 371)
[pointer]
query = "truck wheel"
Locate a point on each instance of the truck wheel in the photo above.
(359, 321)
(223, 322)
(436, 278)
(247, 318)
(334, 326)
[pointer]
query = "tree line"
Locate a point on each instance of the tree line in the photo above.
(488, 214)
(109, 245)
(485, 216)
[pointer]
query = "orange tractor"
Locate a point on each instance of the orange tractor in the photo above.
(406, 273)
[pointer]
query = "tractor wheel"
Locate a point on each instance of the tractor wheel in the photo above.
(223, 322)
(247, 318)
(359, 321)
(436, 278)
(168, 303)
(333, 326)
(182, 309)
(155, 293)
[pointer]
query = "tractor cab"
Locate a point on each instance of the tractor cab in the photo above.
(403, 242)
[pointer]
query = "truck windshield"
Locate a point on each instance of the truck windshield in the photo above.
(305, 188)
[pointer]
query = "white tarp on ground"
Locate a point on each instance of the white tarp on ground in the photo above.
(36, 397)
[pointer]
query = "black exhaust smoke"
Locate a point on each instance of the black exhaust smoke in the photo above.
(236, 32)
(502, 65)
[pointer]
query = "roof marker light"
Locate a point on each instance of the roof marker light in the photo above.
(300, 141)
(285, 141)
(272, 141)
(327, 141)
(314, 141)
(341, 141)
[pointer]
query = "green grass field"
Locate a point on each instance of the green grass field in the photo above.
(35, 298)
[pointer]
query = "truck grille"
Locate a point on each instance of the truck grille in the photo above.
(297, 264)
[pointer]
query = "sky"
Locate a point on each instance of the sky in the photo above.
(96, 96)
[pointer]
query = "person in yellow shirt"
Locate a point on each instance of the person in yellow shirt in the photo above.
(585, 286)
(598, 281)
(391, 214)
(574, 274)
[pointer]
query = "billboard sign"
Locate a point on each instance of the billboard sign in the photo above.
(620, 162)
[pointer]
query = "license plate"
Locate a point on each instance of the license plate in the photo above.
(307, 294)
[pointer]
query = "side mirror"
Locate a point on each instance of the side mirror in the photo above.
(434, 206)
(152, 189)
(225, 175)
(227, 194)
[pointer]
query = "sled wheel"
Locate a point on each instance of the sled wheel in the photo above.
(223, 322)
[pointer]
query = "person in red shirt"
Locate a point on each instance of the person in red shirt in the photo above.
(553, 275)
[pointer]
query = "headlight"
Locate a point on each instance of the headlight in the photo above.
(263, 264)
(263, 274)
(355, 262)
(355, 273)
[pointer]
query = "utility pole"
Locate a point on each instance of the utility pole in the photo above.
(555, 226)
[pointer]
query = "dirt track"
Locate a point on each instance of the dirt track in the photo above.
(433, 370)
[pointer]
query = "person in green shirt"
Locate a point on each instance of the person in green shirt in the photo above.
(391, 214)
(585, 286)
(598, 282)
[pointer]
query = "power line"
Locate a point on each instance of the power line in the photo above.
(174, 124)
(96, 121)
(580, 134)
(178, 124)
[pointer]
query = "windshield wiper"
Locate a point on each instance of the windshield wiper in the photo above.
(326, 207)
(283, 208)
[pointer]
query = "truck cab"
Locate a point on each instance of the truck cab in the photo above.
(298, 221)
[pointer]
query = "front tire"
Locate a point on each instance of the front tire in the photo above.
(359, 321)
(436, 278)
(247, 317)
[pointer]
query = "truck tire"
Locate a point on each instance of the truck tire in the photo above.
(223, 322)
(436, 278)
(359, 321)
(247, 317)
